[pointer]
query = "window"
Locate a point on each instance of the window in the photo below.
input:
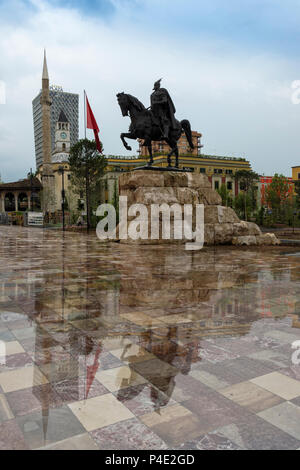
(298, 176)
(202, 170)
(64, 146)
(229, 185)
(228, 172)
(69, 177)
(217, 184)
(218, 171)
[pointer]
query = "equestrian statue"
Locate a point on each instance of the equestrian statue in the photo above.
(157, 123)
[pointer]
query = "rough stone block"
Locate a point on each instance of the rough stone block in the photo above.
(129, 193)
(245, 228)
(187, 196)
(220, 215)
(141, 178)
(227, 215)
(223, 233)
(246, 240)
(152, 195)
(209, 197)
(267, 239)
(198, 181)
(175, 180)
(209, 234)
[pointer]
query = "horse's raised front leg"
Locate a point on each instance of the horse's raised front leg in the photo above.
(128, 135)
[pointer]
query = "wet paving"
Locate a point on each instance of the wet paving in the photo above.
(130, 347)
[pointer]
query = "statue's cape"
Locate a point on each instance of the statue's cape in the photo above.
(171, 107)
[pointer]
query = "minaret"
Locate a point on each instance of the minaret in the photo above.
(47, 175)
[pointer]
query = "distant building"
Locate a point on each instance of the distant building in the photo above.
(264, 182)
(69, 103)
(183, 146)
(20, 196)
(296, 173)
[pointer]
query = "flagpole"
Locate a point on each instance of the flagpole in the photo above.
(84, 113)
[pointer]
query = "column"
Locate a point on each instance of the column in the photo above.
(16, 202)
(2, 202)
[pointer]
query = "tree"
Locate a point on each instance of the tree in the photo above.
(242, 203)
(115, 200)
(278, 196)
(297, 191)
(247, 180)
(87, 167)
(225, 195)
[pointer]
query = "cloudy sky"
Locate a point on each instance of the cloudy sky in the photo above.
(228, 64)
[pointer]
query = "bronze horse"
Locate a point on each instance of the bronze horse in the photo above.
(144, 126)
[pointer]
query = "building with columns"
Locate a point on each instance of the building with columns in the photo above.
(20, 196)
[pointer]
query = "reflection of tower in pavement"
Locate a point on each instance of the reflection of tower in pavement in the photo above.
(81, 357)
(54, 330)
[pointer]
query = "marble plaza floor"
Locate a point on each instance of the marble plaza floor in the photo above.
(119, 347)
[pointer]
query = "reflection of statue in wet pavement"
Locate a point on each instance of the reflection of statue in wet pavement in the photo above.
(162, 382)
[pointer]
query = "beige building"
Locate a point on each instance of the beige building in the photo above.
(162, 147)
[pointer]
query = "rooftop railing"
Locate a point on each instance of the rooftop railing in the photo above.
(162, 154)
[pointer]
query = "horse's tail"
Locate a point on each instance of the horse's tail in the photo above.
(186, 126)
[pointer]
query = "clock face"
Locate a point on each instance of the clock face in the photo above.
(63, 135)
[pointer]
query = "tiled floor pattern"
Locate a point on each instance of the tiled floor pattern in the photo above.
(119, 347)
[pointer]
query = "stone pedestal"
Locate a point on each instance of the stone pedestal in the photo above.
(221, 224)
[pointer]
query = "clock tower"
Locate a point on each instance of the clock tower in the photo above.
(62, 134)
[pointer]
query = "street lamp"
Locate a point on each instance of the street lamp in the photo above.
(294, 215)
(30, 175)
(62, 172)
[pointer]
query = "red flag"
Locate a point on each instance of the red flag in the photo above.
(92, 370)
(91, 123)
